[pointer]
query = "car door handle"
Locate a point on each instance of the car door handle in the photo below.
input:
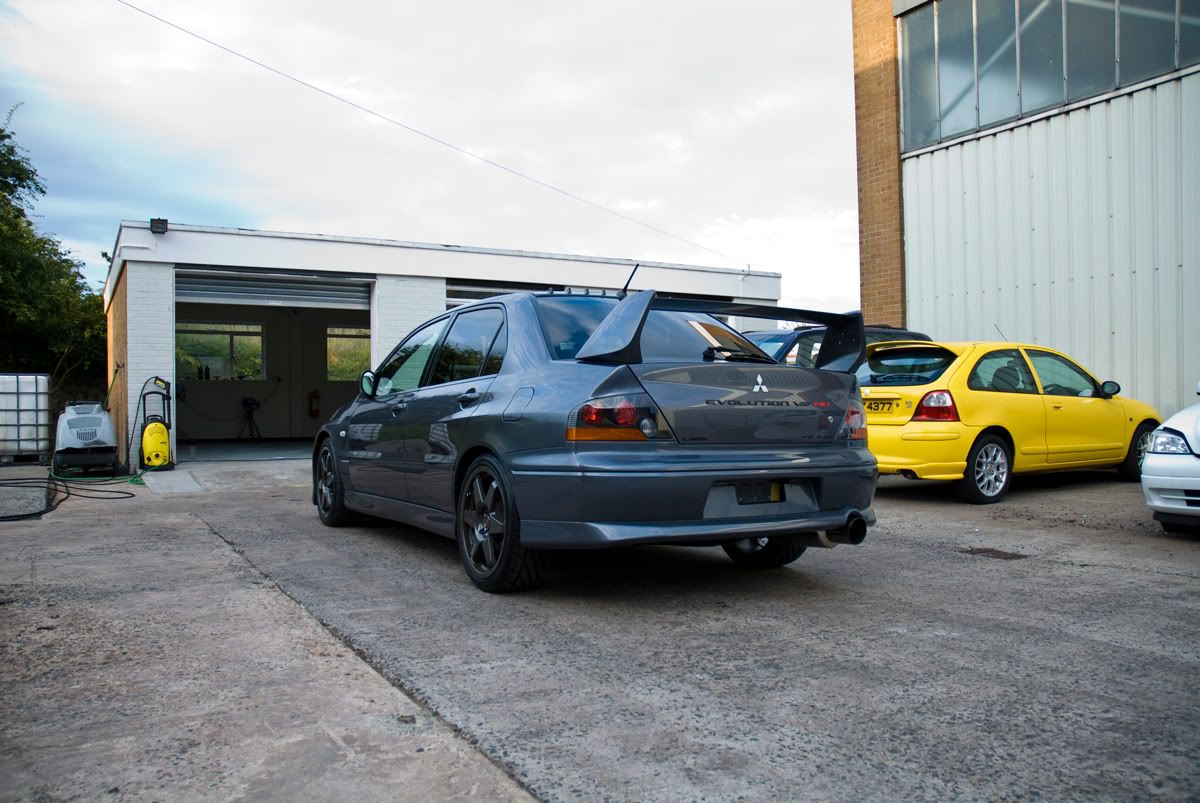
(398, 408)
(469, 398)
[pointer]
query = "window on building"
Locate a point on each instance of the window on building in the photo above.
(956, 66)
(1189, 32)
(996, 36)
(918, 78)
(959, 67)
(1091, 47)
(210, 351)
(1147, 39)
(347, 353)
(1041, 54)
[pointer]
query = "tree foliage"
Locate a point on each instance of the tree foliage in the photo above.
(50, 320)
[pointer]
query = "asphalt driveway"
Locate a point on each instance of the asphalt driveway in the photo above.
(1045, 647)
(1060, 661)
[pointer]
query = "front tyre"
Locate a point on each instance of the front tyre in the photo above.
(1130, 469)
(989, 472)
(489, 532)
(327, 487)
(762, 553)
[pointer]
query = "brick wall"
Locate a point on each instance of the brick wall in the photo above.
(118, 354)
(398, 305)
(877, 133)
(150, 327)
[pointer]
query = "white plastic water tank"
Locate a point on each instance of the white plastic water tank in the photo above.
(24, 415)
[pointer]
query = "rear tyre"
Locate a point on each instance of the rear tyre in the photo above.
(1130, 469)
(989, 472)
(762, 553)
(489, 532)
(330, 497)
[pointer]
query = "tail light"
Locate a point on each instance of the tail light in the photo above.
(854, 422)
(936, 405)
(618, 418)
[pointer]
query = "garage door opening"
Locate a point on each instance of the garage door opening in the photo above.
(257, 382)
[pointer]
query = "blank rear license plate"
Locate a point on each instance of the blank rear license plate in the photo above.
(757, 493)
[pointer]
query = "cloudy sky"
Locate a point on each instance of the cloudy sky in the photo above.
(729, 124)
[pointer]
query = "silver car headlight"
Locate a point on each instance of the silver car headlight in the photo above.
(1166, 442)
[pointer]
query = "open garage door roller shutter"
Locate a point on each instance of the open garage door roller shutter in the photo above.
(272, 291)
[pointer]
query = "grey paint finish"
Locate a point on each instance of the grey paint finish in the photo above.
(733, 421)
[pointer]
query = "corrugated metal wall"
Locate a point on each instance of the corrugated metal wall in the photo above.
(1080, 232)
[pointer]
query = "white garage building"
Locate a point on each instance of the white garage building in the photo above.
(263, 334)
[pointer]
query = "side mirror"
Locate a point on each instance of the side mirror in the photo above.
(1110, 389)
(367, 383)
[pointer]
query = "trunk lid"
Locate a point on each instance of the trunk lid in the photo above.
(897, 375)
(748, 403)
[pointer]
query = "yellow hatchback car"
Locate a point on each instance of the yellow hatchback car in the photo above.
(980, 412)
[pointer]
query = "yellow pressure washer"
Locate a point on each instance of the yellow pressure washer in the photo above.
(156, 427)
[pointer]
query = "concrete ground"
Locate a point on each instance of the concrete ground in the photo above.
(169, 646)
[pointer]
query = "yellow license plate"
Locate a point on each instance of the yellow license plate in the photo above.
(878, 406)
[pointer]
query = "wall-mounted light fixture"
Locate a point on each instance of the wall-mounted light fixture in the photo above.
(158, 225)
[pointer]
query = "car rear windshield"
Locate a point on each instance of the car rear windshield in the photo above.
(568, 321)
(769, 342)
(905, 366)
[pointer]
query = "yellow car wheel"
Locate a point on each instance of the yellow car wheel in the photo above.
(989, 471)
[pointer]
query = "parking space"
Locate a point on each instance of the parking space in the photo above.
(1047, 645)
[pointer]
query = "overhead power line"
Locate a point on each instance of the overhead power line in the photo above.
(420, 133)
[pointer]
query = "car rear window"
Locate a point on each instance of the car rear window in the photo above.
(769, 342)
(568, 321)
(904, 366)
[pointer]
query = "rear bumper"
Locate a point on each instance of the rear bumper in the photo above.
(931, 451)
(596, 501)
(592, 535)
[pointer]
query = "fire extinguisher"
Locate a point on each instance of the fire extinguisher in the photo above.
(314, 404)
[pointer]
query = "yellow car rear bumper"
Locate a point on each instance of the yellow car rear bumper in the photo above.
(929, 450)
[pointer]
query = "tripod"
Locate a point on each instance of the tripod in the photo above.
(249, 425)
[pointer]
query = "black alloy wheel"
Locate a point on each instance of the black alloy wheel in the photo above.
(762, 553)
(331, 503)
(489, 532)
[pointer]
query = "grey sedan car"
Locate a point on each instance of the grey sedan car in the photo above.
(533, 422)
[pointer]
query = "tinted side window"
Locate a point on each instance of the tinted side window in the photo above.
(404, 369)
(1002, 371)
(1061, 377)
(467, 343)
(495, 357)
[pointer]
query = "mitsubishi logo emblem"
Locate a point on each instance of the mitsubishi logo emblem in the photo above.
(759, 386)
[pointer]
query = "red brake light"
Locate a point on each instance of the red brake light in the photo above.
(618, 418)
(625, 413)
(591, 415)
(936, 405)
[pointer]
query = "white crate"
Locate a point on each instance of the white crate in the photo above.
(24, 415)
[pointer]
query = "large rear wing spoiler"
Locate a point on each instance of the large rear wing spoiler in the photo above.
(618, 337)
